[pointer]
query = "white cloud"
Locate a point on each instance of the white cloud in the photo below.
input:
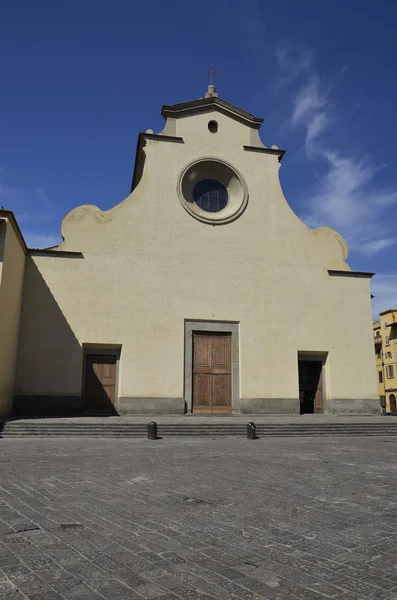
(384, 289)
(316, 127)
(308, 102)
(375, 246)
(345, 198)
(346, 195)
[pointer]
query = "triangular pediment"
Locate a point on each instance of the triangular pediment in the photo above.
(202, 105)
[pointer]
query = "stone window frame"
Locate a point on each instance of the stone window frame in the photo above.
(232, 327)
(210, 167)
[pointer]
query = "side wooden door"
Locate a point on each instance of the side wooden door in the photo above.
(100, 383)
(212, 373)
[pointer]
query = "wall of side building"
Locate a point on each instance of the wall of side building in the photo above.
(12, 265)
(388, 350)
(379, 370)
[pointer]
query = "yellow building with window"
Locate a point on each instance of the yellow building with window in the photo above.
(385, 339)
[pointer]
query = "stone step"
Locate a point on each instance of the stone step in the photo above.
(68, 429)
(184, 435)
(186, 430)
(200, 426)
(16, 424)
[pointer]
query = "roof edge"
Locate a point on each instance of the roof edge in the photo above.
(206, 104)
(8, 214)
(142, 137)
(388, 310)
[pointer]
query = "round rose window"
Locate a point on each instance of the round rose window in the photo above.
(212, 191)
(210, 195)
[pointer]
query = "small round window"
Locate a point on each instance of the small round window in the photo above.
(213, 126)
(210, 195)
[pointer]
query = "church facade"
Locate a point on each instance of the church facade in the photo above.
(202, 292)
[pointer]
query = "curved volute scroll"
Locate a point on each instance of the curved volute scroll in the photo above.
(333, 246)
(82, 218)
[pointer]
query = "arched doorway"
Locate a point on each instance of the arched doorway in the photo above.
(392, 402)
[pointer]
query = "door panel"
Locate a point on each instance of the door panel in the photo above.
(212, 373)
(202, 392)
(100, 383)
(202, 352)
(220, 354)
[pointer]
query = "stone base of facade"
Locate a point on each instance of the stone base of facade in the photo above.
(291, 406)
(48, 406)
(269, 406)
(352, 406)
(5, 406)
(52, 406)
(151, 406)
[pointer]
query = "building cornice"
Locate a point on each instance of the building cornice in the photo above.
(162, 138)
(340, 273)
(203, 105)
(54, 253)
(276, 151)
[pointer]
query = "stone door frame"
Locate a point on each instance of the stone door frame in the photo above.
(101, 350)
(232, 327)
(320, 356)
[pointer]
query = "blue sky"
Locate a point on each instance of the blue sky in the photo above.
(81, 79)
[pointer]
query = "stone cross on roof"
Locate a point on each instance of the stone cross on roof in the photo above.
(212, 93)
(211, 73)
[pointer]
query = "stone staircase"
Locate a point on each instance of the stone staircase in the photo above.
(67, 428)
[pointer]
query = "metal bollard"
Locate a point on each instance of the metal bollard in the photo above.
(152, 430)
(251, 431)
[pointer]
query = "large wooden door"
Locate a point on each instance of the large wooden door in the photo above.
(311, 386)
(100, 383)
(212, 373)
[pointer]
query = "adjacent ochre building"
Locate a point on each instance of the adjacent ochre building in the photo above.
(201, 292)
(385, 339)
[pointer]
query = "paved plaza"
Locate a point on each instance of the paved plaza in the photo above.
(277, 519)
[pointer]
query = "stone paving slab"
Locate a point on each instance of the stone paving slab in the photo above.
(274, 519)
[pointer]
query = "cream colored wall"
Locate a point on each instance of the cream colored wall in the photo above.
(49, 357)
(12, 263)
(148, 265)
